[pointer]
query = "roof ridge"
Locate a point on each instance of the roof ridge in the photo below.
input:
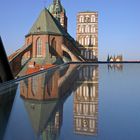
(56, 22)
(46, 23)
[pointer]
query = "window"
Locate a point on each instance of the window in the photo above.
(81, 19)
(82, 29)
(82, 41)
(93, 29)
(87, 55)
(87, 29)
(91, 55)
(93, 18)
(39, 48)
(87, 19)
(87, 40)
(93, 41)
(34, 81)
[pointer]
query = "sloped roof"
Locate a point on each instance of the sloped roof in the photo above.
(39, 116)
(46, 24)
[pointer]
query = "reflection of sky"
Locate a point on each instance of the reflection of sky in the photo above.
(118, 23)
(119, 115)
(19, 126)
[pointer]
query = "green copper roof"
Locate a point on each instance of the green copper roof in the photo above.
(46, 23)
(40, 115)
(56, 7)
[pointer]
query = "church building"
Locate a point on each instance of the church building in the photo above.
(47, 42)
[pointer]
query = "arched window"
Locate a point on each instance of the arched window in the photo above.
(39, 48)
(82, 29)
(92, 54)
(93, 18)
(87, 54)
(93, 29)
(53, 43)
(87, 29)
(87, 40)
(81, 19)
(94, 41)
(35, 85)
(82, 41)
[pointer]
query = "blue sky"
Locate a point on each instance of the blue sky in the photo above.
(119, 20)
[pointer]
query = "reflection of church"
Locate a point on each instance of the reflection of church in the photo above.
(44, 96)
(45, 117)
(86, 101)
(41, 100)
(118, 66)
(41, 87)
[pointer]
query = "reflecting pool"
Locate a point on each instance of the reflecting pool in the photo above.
(73, 102)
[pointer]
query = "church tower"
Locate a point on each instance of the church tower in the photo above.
(58, 11)
(87, 34)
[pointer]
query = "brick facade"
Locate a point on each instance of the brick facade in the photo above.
(87, 34)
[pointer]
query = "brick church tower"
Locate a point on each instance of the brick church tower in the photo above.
(58, 11)
(87, 34)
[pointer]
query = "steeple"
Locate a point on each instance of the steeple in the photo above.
(57, 10)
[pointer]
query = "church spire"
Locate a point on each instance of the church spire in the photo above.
(58, 11)
(57, 7)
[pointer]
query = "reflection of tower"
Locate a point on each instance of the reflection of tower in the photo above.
(86, 101)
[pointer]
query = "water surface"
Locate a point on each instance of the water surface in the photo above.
(73, 102)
